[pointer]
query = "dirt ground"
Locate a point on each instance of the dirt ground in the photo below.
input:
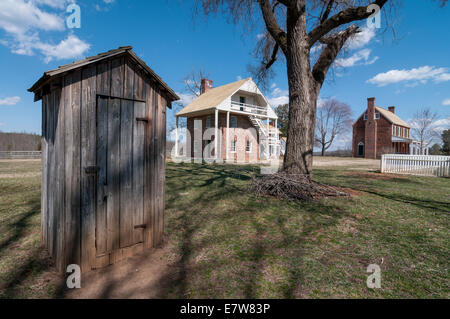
(320, 161)
(145, 275)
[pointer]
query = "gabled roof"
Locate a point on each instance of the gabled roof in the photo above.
(388, 115)
(391, 117)
(212, 98)
(99, 57)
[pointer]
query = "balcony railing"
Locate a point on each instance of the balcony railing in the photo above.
(249, 108)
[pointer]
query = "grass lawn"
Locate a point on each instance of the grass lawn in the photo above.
(228, 243)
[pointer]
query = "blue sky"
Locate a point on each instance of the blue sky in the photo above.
(410, 72)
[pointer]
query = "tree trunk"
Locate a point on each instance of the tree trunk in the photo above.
(302, 101)
(323, 150)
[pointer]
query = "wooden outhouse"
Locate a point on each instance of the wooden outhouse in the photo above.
(103, 158)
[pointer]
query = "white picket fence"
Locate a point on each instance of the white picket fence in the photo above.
(422, 165)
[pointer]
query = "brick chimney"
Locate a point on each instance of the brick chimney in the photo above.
(371, 130)
(206, 85)
(391, 109)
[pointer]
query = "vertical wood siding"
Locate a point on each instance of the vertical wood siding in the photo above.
(103, 164)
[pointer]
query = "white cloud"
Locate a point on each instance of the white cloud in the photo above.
(441, 125)
(22, 22)
(185, 99)
(10, 100)
(360, 57)
(60, 4)
(320, 102)
(98, 7)
(260, 36)
(239, 78)
(446, 102)
(443, 77)
(278, 96)
(361, 39)
(18, 17)
(280, 100)
(422, 75)
(71, 47)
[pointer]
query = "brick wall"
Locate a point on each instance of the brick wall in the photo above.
(359, 130)
(384, 137)
(242, 133)
(370, 144)
(375, 134)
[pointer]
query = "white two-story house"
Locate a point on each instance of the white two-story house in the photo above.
(239, 115)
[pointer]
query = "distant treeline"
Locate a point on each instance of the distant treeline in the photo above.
(19, 142)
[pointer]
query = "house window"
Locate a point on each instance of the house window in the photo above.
(365, 116)
(208, 122)
(242, 99)
(233, 146)
(248, 146)
(234, 122)
(377, 116)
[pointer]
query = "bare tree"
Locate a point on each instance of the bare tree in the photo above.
(333, 119)
(193, 82)
(422, 128)
(293, 28)
(192, 87)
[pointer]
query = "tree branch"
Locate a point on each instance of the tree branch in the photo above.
(327, 11)
(343, 17)
(272, 25)
(334, 44)
(273, 58)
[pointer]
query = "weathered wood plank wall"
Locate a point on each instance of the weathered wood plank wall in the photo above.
(103, 152)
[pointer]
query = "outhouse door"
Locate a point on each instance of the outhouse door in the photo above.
(121, 131)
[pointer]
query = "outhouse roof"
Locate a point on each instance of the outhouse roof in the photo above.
(48, 75)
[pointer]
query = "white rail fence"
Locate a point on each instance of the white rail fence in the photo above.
(21, 155)
(422, 165)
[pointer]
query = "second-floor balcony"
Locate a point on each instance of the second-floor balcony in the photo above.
(249, 108)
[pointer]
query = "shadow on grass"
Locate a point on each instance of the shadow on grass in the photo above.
(375, 185)
(35, 261)
(224, 239)
(245, 267)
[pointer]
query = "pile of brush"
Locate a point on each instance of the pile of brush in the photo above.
(292, 187)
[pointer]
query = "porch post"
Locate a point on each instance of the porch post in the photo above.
(227, 136)
(176, 137)
(276, 138)
(268, 135)
(216, 138)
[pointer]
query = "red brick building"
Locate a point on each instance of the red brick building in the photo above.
(239, 115)
(379, 131)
